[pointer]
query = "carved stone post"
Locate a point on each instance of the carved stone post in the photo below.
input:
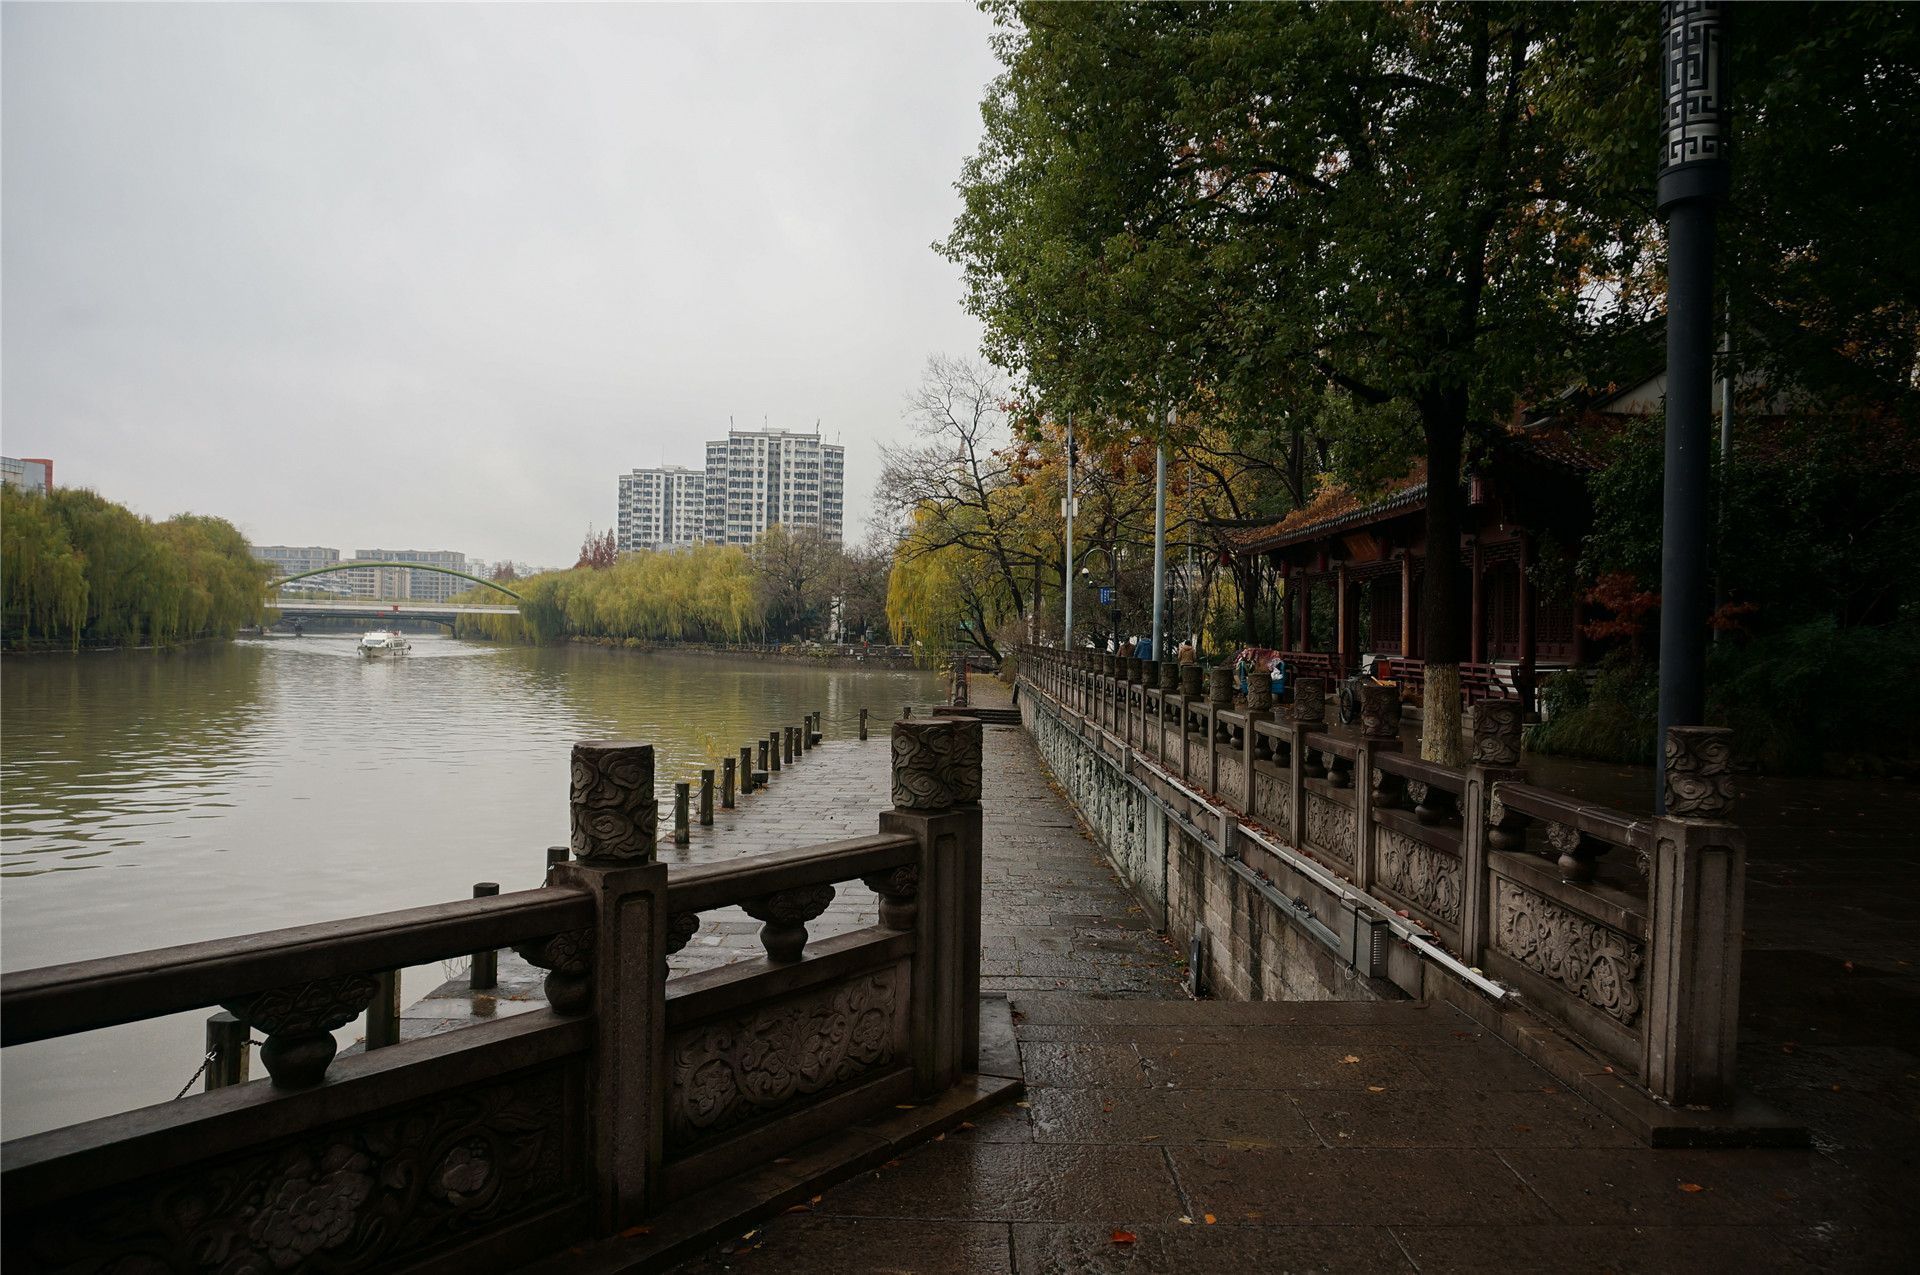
(1191, 681)
(615, 970)
(1380, 713)
(1150, 674)
(1696, 894)
(1220, 686)
(1485, 824)
(936, 800)
(1259, 694)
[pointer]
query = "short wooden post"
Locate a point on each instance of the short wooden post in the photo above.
(746, 770)
(764, 767)
(773, 751)
(906, 712)
(863, 725)
(806, 733)
(706, 797)
(484, 972)
(726, 784)
(383, 1016)
(786, 746)
(227, 1042)
(682, 793)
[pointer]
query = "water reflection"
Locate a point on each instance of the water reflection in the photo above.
(149, 800)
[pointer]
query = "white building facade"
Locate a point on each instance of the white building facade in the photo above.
(664, 508)
(757, 478)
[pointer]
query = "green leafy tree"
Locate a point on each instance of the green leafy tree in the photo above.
(1279, 199)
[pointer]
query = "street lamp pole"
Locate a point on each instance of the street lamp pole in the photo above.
(1160, 535)
(1066, 635)
(1693, 180)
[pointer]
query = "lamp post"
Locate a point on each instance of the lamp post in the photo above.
(1694, 178)
(1160, 536)
(1066, 510)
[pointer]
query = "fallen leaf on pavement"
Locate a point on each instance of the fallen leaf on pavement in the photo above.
(1209, 1218)
(1691, 1187)
(1123, 1237)
(1185, 1220)
(1351, 1058)
(633, 1231)
(1376, 1088)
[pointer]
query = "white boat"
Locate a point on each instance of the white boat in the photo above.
(381, 642)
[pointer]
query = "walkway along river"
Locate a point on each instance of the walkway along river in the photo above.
(154, 799)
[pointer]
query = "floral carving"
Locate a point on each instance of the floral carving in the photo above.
(1272, 800)
(1232, 782)
(1380, 711)
(1699, 772)
(732, 1071)
(1496, 733)
(1310, 700)
(1419, 874)
(899, 891)
(1599, 965)
(378, 1194)
(963, 760)
(613, 810)
(1329, 828)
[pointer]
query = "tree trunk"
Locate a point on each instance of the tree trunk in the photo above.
(1444, 417)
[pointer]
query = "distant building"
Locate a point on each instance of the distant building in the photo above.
(662, 508)
(398, 584)
(757, 478)
(33, 473)
(291, 560)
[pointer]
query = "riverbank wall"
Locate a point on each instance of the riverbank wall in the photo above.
(890, 657)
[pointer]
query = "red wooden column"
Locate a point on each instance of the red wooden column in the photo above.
(1525, 594)
(1286, 610)
(1406, 604)
(1477, 611)
(1342, 618)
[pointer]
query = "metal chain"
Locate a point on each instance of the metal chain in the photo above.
(204, 1064)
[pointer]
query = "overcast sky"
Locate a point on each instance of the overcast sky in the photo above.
(432, 276)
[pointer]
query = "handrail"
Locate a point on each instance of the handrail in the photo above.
(59, 1000)
(701, 887)
(1407, 766)
(1603, 823)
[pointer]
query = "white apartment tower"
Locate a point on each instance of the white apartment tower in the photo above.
(662, 508)
(757, 478)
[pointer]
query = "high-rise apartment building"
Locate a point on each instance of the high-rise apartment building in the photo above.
(32, 473)
(662, 508)
(757, 478)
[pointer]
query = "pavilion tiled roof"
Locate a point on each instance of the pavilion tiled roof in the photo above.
(1335, 507)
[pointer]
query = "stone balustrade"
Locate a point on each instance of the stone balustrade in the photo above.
(1623, 932)
(492, 1145)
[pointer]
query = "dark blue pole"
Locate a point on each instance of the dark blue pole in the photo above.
(1693, 179)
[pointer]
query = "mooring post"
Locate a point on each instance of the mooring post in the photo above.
(786, 745)
(706, 797)
(682, 792)
(484, 972)
(805, 732)
(773, 751)
(383, 1016)
(863, 725)
(227, 1042)
(764, 767)
(726, 784)
(906, 712)
(746, 770)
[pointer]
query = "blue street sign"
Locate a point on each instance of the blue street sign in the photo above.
(1106, 597)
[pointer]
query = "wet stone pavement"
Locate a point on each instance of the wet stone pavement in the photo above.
(1160, 1134)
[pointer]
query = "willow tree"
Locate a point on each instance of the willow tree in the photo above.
(1372, 199)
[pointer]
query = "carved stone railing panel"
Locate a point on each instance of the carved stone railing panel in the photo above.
(1330, 828)
(733, 1071)
(1272, 799)
(1430, 879)
(1232, 781)
(1601, 966)
(376, 1194)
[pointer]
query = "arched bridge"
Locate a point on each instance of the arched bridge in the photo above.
(368, 609)
(410, 566)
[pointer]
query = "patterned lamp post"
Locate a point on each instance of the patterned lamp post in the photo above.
(1693, 179)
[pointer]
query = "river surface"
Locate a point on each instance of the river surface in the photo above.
(151, 799)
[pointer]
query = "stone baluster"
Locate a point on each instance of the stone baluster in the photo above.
(899, 891)
(1696, 894)
(299, 1021)
(785, 914)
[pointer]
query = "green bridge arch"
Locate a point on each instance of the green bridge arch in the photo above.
(411, 566)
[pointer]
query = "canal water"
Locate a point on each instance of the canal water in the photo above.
(152, 799)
